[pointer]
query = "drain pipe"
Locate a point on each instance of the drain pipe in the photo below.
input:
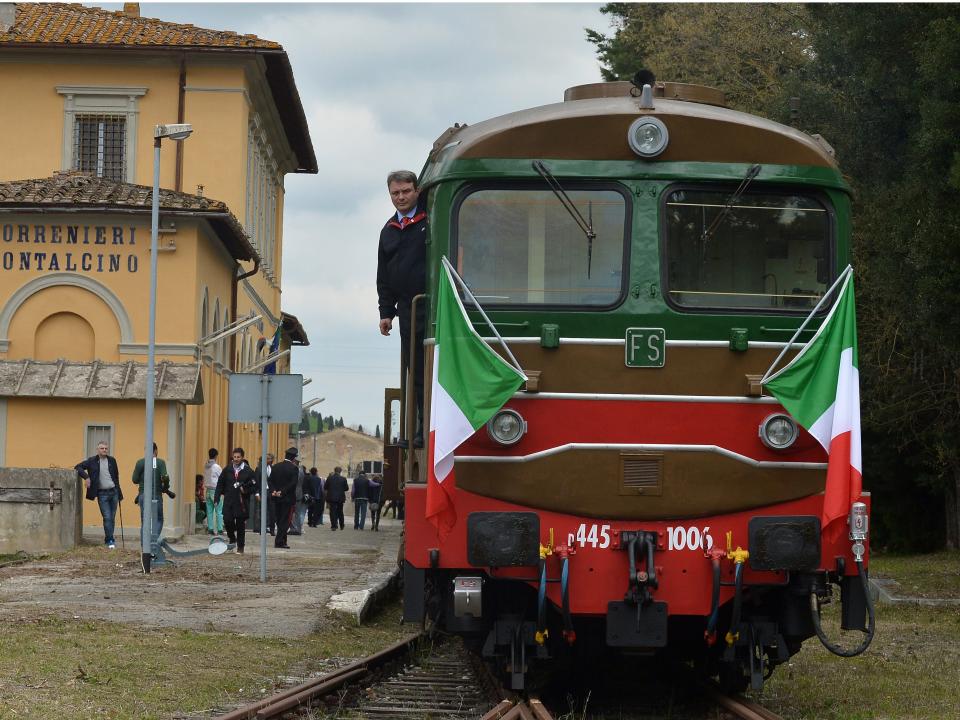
(233, 317)
(181, 98)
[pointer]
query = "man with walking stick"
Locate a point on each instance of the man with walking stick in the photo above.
(102, 480)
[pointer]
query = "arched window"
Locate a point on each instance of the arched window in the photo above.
(205, 315)
(225, 343)
(215, 351)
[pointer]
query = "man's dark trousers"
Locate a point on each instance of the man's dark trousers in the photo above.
(336, 515)
(282, 508)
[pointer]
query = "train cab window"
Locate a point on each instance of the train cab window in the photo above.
(765, 251)
(520, 246)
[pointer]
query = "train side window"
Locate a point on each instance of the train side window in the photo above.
(769, 250)
(520, 246)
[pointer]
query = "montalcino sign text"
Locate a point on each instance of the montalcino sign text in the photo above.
(52, 248)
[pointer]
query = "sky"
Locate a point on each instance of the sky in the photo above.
(379, 83)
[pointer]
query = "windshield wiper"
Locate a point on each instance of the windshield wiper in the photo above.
(585, 225)
(752, 172)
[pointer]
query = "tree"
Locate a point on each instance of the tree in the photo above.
(897, 66)
(751, 51)
(340, 421)
(305, 422)
(879, 83)
(360, 428)
(377, 433)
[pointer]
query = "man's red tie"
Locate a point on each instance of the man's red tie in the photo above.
(404, 221)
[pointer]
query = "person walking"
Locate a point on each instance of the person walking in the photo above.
(336, 496)
(361, 486)
(255, 504)
(314, 492)
(102, 480)
(283, 491)
(373, 501)
(233, 491)
(161, 486)
(211, 473)
(300, 507)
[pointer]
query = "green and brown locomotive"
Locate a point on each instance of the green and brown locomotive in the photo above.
(646, 253)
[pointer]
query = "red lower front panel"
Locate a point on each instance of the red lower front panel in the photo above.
(598, 569)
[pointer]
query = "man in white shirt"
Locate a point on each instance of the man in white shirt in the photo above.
(211, 473)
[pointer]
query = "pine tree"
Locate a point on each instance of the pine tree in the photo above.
(360, 428)
(377, 433)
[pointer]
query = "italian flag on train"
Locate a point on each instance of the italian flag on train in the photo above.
(820, 387)
(470, 384)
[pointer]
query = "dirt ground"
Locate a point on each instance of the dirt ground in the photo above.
(206, 592)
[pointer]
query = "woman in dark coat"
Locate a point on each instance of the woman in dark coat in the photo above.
(235, 485)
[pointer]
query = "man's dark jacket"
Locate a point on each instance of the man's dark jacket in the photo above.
(361, 487)
(236, 500)
(314, 487)
(283, 477)
(337, 488)
(401, 264)
(90, 468)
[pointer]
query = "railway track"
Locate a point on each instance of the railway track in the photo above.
(419, 680)
(741, 707)
(411, 680)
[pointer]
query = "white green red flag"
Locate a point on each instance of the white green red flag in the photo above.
(820, 388)
(471, 383)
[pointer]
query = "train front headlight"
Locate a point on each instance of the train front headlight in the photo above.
(506, 427)
(778, 431)
(648, 136)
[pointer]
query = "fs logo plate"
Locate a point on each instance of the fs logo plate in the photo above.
(645, 347)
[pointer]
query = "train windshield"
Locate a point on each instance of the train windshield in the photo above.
(765, 250)
(520, 246)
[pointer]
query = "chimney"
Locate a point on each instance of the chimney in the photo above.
(8, 14)
(131, 10)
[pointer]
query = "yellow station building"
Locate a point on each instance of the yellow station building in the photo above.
(82, 90)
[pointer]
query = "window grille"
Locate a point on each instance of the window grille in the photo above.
(97, 434)
(99, 143)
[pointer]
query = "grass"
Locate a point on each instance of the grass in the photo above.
(936, 575)
(66, 668)
(911, 670)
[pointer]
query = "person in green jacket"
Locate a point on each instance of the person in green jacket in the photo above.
(161, 485)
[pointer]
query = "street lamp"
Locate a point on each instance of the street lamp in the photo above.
(176, 132)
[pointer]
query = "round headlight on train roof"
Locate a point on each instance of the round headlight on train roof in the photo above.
(648, 136)
(506, 427)
(778, 431)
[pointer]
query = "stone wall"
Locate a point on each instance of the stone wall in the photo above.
(39, 510)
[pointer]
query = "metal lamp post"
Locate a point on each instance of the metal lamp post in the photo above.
(306, 406)
(176, 132)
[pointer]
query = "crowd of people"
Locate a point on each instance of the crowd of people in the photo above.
(294, 496)
(229, 498)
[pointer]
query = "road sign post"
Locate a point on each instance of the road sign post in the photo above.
(267, 399)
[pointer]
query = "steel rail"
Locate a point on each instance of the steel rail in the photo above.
(530, 709)
(742, 707)
(299, 694)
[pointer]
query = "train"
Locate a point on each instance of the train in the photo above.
(646, 253)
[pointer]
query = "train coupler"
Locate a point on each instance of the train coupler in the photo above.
(638, 621)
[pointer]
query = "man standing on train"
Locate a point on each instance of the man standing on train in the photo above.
(401, 276)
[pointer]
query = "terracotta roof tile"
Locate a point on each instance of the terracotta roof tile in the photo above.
(78, 189)
(62, 23)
